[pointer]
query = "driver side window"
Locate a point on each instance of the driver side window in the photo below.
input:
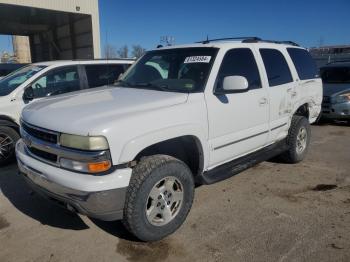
(57, 81)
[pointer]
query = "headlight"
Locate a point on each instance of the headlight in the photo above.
(343, 98)
(91, 143)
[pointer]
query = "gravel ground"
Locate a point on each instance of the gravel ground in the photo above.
(272, 212)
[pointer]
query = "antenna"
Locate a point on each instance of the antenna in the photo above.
(167, 40)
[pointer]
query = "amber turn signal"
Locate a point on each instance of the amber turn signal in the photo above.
(99, 167)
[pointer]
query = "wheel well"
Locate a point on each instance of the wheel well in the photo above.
(7, 121)
(303, 110)
(186, 148)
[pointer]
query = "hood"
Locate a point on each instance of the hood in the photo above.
(332, 89)
(78, 113)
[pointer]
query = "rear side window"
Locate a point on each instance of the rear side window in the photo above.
(240, 62)
(276, 66)
(304, 64)
(100, 75)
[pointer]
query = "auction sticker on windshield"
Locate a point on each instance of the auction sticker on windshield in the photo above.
(197, 59)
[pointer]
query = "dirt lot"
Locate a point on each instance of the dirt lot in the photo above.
(272, 212)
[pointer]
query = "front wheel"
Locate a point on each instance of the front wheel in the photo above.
(159, 197)
(8, 139)
(298, 140)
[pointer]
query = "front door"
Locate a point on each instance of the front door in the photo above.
(238, 122)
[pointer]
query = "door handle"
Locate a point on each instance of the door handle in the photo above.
(310, 81)
(263, 101)
(291, 92)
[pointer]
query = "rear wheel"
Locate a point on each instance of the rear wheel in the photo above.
(298, 140)
(8, 139)
(159, 197)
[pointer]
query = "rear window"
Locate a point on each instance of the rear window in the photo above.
(336, 75)
(276, 66)
(304, 64)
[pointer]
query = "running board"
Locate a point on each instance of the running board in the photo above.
(238, 165)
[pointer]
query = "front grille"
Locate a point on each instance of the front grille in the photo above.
(42, 154)
(40, 134)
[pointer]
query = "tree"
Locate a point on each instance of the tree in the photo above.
(137, 51)
(109, 52)
(123, 52)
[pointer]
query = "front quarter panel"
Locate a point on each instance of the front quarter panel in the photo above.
(130, 135)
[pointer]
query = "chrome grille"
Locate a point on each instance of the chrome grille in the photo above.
(43, 155)
(41, 134)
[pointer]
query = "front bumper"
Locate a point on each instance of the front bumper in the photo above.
(336, 111)
(86, 197)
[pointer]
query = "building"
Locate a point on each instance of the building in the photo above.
(64, 29)
(327, 54)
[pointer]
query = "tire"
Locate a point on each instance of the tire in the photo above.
(147, 176)
(295, 154)
(8, 140)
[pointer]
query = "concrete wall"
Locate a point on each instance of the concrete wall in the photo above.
(21, 49)
(89, 7)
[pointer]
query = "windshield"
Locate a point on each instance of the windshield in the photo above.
(13, 80)
(173, 70)
(336, 75)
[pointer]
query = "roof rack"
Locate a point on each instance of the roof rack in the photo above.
(248, 39)
(207, 41)
(270, 41)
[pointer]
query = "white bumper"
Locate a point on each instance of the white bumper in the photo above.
(88, 183)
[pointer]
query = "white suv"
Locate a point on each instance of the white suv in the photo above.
(44, 79)
(180, 116)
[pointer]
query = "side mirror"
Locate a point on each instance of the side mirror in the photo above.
(233, 84)
(28, 94)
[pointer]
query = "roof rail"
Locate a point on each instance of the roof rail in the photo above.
(207, 41)
(270, 41)
(248, 39)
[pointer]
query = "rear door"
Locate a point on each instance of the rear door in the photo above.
(309, 86)
(281, 88)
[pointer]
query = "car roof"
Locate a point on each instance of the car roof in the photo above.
(77, 62)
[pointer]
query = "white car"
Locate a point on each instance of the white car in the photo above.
(40, 80)
(180, 116)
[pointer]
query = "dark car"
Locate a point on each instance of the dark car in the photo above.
(336, 91)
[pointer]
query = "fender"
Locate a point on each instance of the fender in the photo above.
(134, 146)
(313, 107)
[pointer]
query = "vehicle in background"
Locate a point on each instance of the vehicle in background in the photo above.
(7, 68)
(45, 79)
(336, 91)
(180, 116)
